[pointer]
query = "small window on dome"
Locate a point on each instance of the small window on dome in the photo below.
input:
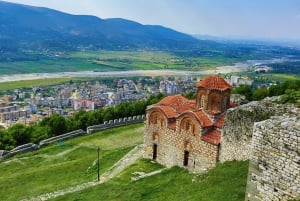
(202, 101)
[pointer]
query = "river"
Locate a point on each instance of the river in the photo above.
(239, 67)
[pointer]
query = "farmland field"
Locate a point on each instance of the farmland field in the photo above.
(110, 61)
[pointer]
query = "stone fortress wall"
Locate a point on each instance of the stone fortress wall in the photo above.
(274, 170)
(116, 123)
(237, 130)
(268, 134)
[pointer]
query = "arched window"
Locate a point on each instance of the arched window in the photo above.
(153, 118)
(187, 125)
(155, 137)
(214, 101)
(162, 122)
(157, 118)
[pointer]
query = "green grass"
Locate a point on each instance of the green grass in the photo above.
(47, 65)
(281, 77)
(110, 61)
(31, 83)
(62, 165)
(227, 182)
(144, 60)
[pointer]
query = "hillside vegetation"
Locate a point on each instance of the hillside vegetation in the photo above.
(227, 182)
(65, 164)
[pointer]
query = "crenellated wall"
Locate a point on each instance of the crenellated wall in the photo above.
(116, 123)
(106, 125)
(62, 137)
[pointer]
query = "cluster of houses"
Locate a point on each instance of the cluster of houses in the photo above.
(29, 105)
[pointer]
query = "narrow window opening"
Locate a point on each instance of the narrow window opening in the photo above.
(154, 151)
(186, 158)
(202, 101)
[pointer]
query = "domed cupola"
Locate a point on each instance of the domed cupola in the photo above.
(213, 95)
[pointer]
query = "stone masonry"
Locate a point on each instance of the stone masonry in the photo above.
(186, 132)
(274, 171)
(171, 145)
(237, 130)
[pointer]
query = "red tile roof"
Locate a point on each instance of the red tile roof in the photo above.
(178, 103)
(202, 118)
(220, 121)
(168, 111)
(172, 125)
(172, 106)
(214, 82)
(213, 136)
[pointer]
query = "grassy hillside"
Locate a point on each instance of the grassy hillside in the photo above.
(69, 163)
(227, 182)
(66, 163)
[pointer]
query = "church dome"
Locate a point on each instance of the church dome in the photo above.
(214, 82)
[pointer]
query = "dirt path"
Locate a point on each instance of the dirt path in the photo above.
(122, 164)
(118, 167)
(67, 151)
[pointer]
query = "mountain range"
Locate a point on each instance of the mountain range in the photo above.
(22, 25)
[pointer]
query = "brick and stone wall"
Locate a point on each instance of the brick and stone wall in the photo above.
(274, 171)
(238, 127)
(171, 145)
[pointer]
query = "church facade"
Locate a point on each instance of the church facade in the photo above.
(187, 133)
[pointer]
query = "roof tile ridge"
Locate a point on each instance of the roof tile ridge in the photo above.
(207, 116)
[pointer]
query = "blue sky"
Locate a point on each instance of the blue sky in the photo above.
(267, 19)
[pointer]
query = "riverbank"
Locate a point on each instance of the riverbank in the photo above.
(34, 76)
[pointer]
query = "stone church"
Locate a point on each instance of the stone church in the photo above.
(187, 133)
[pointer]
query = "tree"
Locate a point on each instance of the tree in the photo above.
(291, 96)
(276, 90)
(39, 133)
(20, 133)
(243, 90)
(108, 114)
(6, 141)
(260, 93)
(57, 125)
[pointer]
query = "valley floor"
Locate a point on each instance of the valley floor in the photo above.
(33, 76)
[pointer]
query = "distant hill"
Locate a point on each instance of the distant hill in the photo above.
(29, 26)
(34, 36)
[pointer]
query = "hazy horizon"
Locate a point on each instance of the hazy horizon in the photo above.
(274, 20)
